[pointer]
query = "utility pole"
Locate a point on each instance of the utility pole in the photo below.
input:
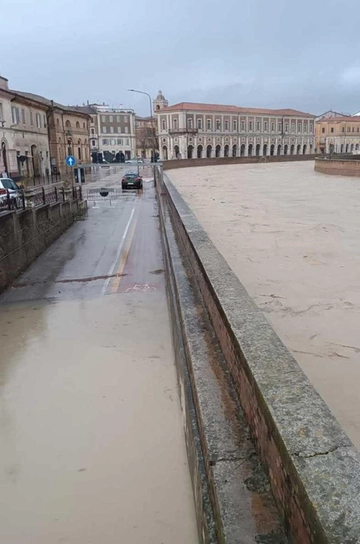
(151, 116)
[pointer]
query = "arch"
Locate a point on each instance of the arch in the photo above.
(157, 107)
(176, 151)
(298, 149)
(67, 124)
(352, 148)
(342, 148)
(77, 124)
(265, 150)
(165, 152)
(226, 151)
(199, 151)
(357, 147)
(4, 157)
(257, 150)
(304, 149)
(190, 150)
(35, 160)
(217, 150)
(272, 150)
(347, 148)
(208, 151)
(292, 149)
(242, 150)
(58, 122)
(311, 149)
(286, 149)
(234, 150)
(250, 150)
(279, 149)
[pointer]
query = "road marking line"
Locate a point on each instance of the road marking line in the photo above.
(124, 257)
(112, 268)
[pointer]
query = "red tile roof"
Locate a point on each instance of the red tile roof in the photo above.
(348, 119)
(193, 106)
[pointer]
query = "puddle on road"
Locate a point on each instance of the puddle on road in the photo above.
(92, 446)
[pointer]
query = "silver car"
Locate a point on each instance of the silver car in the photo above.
(9, 189)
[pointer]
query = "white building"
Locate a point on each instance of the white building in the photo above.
(24, 138)
(191, 130)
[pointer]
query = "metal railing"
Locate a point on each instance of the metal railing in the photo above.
(34, 198)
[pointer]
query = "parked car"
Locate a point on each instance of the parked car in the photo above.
(134, 161)
(9, 189)
(131, 180)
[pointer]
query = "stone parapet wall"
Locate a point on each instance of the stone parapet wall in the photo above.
(338, 166)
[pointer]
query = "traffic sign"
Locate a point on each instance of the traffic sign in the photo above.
(70, 160)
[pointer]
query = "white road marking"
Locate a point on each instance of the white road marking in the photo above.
(112, 268)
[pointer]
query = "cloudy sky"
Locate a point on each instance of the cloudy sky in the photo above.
(259, 53)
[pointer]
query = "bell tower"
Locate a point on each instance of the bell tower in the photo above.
(160, 102)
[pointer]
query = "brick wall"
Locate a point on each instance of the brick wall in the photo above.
(338, 167)
(184, 163)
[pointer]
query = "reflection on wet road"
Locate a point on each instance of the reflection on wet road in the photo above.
(92, 447)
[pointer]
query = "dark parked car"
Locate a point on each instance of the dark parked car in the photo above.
(132, 180)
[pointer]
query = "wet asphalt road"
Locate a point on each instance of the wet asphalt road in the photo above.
(91, 439)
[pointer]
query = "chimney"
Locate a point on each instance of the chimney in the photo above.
(4, 83)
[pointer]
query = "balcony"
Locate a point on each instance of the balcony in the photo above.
(183, 131)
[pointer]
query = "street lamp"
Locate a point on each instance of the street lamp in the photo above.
(151, 115)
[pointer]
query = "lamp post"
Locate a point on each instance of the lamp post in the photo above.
(151, 116)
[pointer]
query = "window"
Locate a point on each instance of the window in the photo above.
(257, 125)
(126, 130)
(15, 115)
(68, 124)
(111, 118)
(77, 124)
(357, 130)
(126, 118)
(199, 124)
(242, 125)
(226, 124)
(119, 141)
(305, 126)
(105, 142)
(332, 129)
(293, 126)
(175, 123)
(44, 120)
(343, 129)
(127, 141)
(112, 142)
(119, 130)
(286, 127)
(111, 130)
(163, 125)
(83, 125)
(280, 127)
(218, 124)
(251, 125)
(93, 143)
(348, 129)
(299, 126)
(234, 124)
(208, 124)
(23, 116)
(92, 131)
(353, 130)
(79, 153)
(38, 120)
(311, 128)
(323, 130)
(103, 118)
(266, 125)
(190, 123)
(31, 119)
(273, 126)
(118, 118)
(104, 130)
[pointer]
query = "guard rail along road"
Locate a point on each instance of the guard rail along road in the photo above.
(312, 466)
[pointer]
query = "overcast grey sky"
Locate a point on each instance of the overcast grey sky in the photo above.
(275, 53)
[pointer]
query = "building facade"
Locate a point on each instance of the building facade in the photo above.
(112, 131)
(24, 152)
(190, 130)
(338, 135)
(146, 138)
